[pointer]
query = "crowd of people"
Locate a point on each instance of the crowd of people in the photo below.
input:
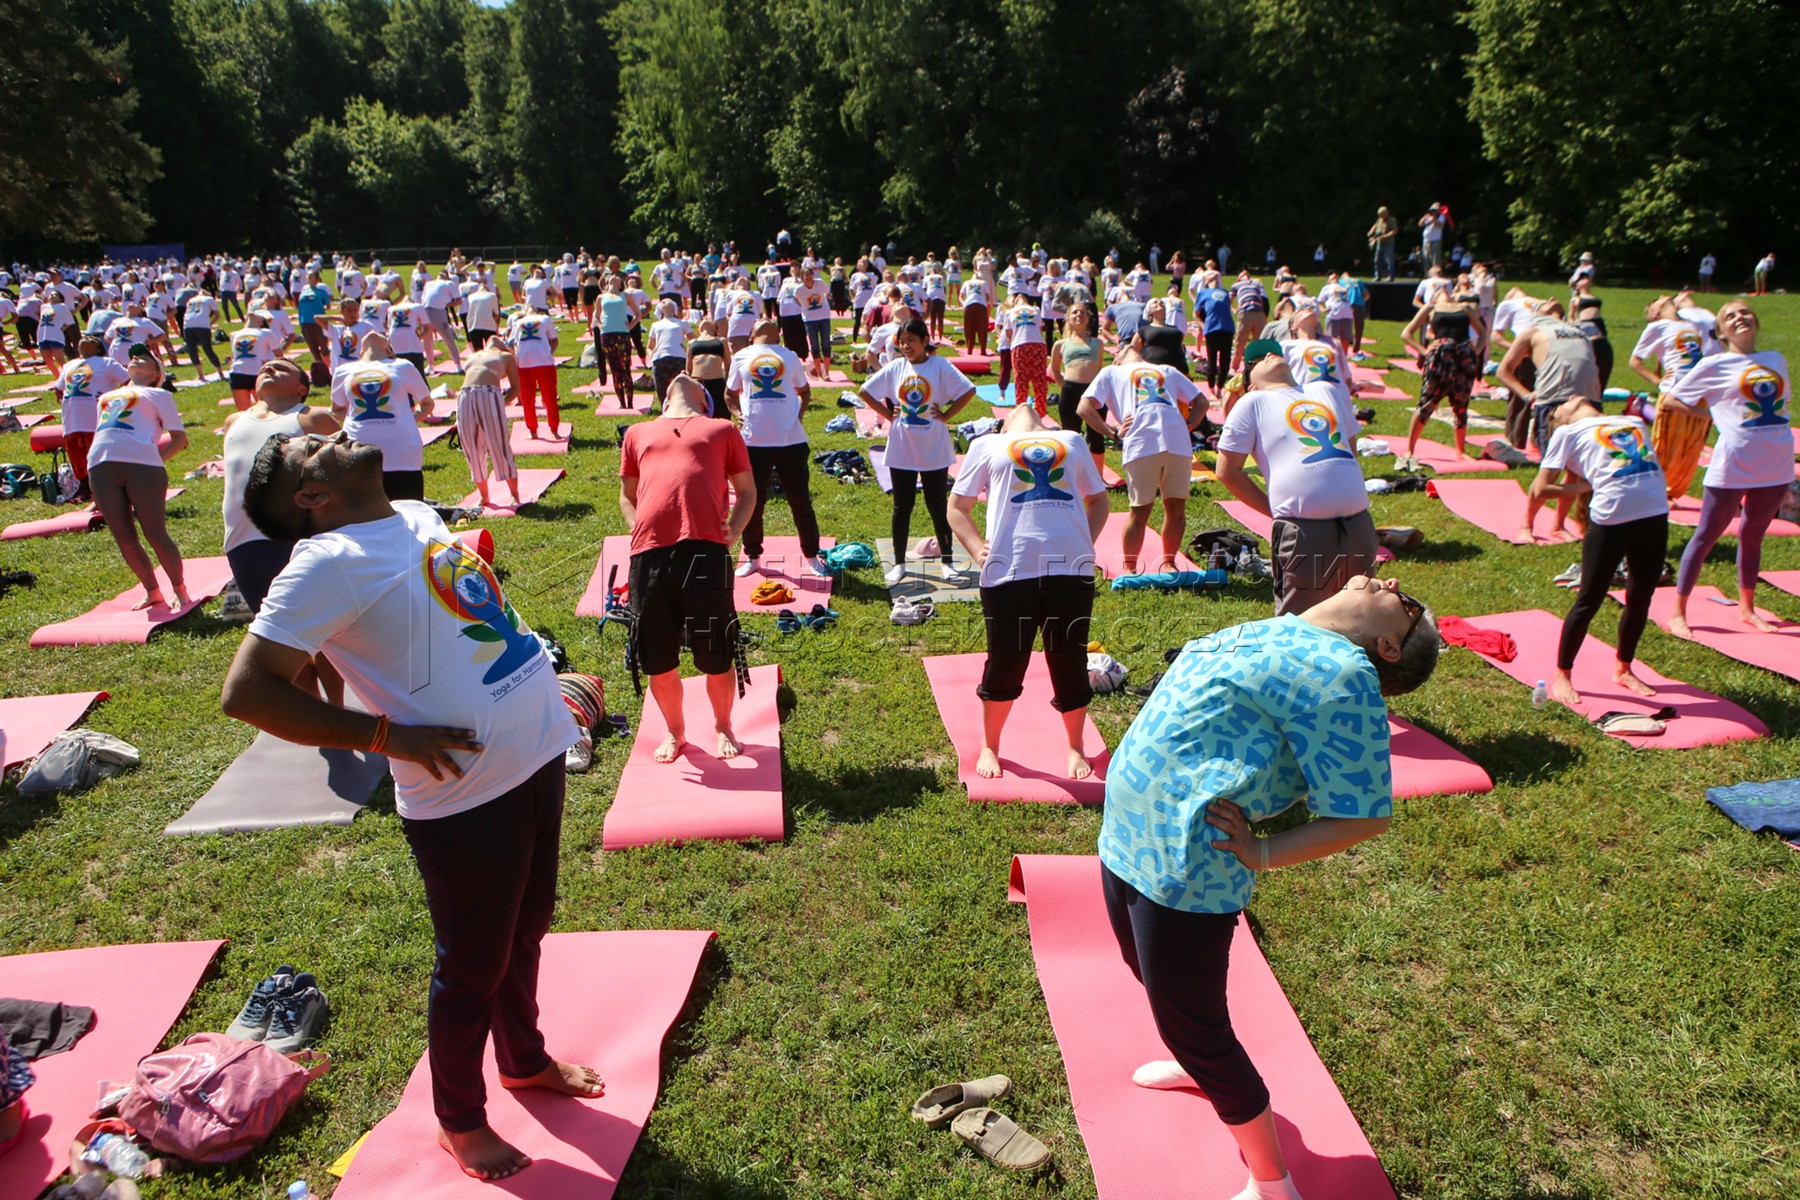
(323, 514)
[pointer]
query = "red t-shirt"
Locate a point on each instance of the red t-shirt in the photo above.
(682, 465)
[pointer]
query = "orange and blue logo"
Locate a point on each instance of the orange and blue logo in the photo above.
(79, 383)
(915, 400)
(1319, 363)
(1625, 444)
(243, 344)
(1317, 427)
(117, 409)
(1149, 387)
(1037, 464)
(1687, 347)
(466, 588)
(1766, 393)
(371, 393)
(768, 371)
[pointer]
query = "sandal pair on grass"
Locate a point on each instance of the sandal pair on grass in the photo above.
(818, 620)
(994, 1136)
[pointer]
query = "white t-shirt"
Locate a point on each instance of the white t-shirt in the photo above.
(566, 276)
(380, 396)
(668, 338)
(1036, 485)
(918, 392)
(1678, 345)
(789, 298)
(281, 323)
(1334, 298)
(439, 293)
(1301, 439)
(1748, 396)
(346, 341)
(862, 287)
(1140, 283)
(1707, 322)
(82, 382)
(52, 320)
(742, 315)
(975, 291)
(769, 277)
(814, 301)
(403, 328)
(1515, 316)
(199, 312)
(125, 333)
(132, 421)
(1157, 400)
(530, 334)
(1319, 362)
(251, 348)
(422, 631)
(1614, 455)
(768, 380)
(1023, 325)
(1708, 264)
(881, 342)
(245, 437)
(1428, 289)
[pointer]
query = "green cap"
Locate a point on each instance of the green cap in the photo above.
(1260, 349)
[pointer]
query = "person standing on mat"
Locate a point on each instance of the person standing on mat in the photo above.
(474, 731)
(919, 394)
(766, 389)
(79, 385)
(612, 341)
(1075, 360)
(1563, 359)
(1610, 459)
(1449, 365)
(1046, 503)
(1677, 346)
(492, 378)
(531, 336)
(1153, 411)
(1304, 440)
(1178, 858)
(1746, 390)
(380, 399)
(130, 482)
(673, 475)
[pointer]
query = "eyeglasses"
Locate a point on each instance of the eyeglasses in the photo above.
(1408, 604)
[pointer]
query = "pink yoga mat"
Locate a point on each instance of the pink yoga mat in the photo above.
(783, 562)
(1109, 549)
(33, 389)
(870, 422)
(1384, 393)
(1144, 1143)
(1686, 511)
(136, 992)
(1032, 751)
(700, 797)
(1713, 618)
(607, 1000)
(523, 443)
(30, 723)
(1496, 505)
(1425, 766)
(1367, 375)
(1787, 581)
(615, 551)
(1248, 517)
(81, 520)
(431, 433)
(973, 364)
(1444, 459)
(114, 621)
(1705, 719)
(609, 405)
(1409, 365)
(532, 484)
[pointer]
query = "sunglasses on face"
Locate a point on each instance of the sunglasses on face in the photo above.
(1416, 609)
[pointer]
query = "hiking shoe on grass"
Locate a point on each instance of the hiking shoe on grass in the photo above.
(252, 1021)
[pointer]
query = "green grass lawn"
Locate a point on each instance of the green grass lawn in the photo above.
(1580, 985)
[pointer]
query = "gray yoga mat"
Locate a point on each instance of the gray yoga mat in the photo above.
(922, 582)
(275, 784)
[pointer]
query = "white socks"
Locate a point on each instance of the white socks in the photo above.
(1162, 1075)
(1269, 1189)
(895, 573)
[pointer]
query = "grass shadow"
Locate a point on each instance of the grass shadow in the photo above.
(558, 511)
(858, 794)
(1445, 551)
(1519, 756)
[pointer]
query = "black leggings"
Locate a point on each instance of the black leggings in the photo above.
(1218, 358)
(937, 504)
(794, 468)
(1059, 605)
(1640, 545)
(1068, 415)
(198, 339)
(1181, 958)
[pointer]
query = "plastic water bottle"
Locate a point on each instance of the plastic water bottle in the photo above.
(117, 1154)
(298, 1190)
(1540, 693)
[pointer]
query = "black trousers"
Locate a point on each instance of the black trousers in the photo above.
(1218, 358)
(1060, 606)
(1181, 958)
(1640, 545)
(490, 883)
(791, 465)
(403, 485)
(1068, 403)
(907, 486)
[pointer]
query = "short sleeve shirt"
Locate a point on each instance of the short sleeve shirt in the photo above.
(918, 392)
(132, 422)
(1615, 456)
(1265, 715)
(1036, 486)
(768, 379)
(682, 465)
(1747, 395)
(1157, 399)
(1301, 438)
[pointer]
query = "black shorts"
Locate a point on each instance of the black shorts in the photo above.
(241, 382)
(590, 292)
(569, 295)
(684, 591)
(28, 332)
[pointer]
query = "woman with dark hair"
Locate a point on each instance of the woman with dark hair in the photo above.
(1074, 361)
(1448, 363)
(1584, 311)
(130, 483)
(612, 339)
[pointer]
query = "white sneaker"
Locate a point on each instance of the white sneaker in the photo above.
(895, 573)
(579, 757)
(749, 566)
(907, 612)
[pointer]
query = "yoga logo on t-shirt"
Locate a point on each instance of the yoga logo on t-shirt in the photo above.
(767, 370)
(78, 384)
(401, 318)
(1149, 387)
(1766, 392)
(1687, 347)
(813, 303)
(1320, 364)
(243, 344)
(530, 330)
(117, 409)
(744, 305)
(1316, 426)
(346, 343)
(1626, 445)
(466, 587)
(370, 392)
(1037, 463)
(915, 398)
(1024, 319)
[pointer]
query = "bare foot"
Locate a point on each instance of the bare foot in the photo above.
(1754, 620)
(987, 765)
(1079, 767)
(1678, 627)
(728, 745)
(150, 600)
(182, 599)
(1563, 691)
(1631, 683)
(670, 749)
(482, 1153)
(567, 1078)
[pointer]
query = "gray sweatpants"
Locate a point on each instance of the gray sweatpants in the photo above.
(1316, 558)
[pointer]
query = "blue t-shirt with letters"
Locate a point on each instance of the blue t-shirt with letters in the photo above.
(1264, 715)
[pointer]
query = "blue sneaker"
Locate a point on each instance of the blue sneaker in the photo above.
(252, 1023)
(787, 622)
(295, 1016)
(820, 618)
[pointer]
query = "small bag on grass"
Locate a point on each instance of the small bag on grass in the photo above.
(213, 1098)
(76, 761)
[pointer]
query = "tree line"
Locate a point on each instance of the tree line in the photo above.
(1650, 131)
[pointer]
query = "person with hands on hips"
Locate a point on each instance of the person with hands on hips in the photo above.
(1247, 722)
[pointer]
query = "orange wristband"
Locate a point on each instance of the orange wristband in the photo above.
(378, 743)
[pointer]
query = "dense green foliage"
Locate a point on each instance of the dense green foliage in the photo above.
(1547, 126)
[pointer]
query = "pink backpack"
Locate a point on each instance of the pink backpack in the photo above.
(213, 1099)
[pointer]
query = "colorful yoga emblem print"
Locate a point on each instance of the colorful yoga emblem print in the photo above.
(78, 384)
(531, 329)
(1038, 463)
(915, 401)
(1688, 348)
(1149, 387)
(243, 343)
(1320, 364)
(1316, 426)
(767, 372)
(1766, 394)
(370, 391)
(1629, 450)
(465, 586)
(116, 409)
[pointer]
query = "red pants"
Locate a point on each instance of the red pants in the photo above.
(1031, 361)
(532, 380)
(77, 446)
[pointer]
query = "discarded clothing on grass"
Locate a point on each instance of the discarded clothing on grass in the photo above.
(1774, 806)
(40, 1028)
(1496, 645)
(1172, 581)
